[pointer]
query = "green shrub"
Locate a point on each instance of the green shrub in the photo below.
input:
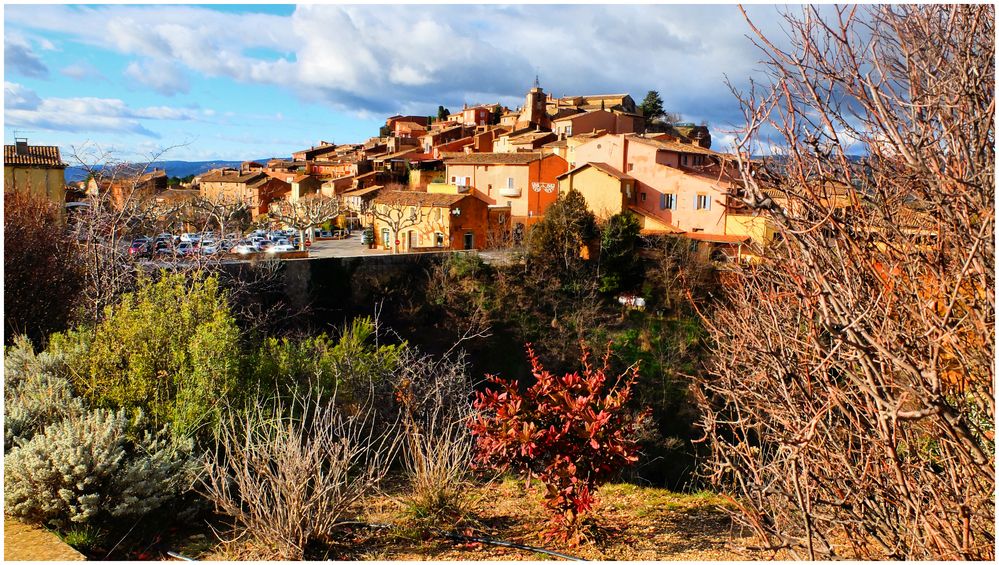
(171, 350)
(349, 365)
(620, 266)
(35, 393)
(91, 469)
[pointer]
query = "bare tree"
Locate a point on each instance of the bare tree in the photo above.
(307, 212)
(397, 217)
(225, 213)
(850, 406)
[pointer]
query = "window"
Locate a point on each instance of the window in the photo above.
(568, 130)
(683, 159)
(643, 197)
(509, 182)
(631, 167)
(439, 239)
(667, 202)
(702, 202)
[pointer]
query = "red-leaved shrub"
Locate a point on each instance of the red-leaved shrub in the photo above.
(573, 432)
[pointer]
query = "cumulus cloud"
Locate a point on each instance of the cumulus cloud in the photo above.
(370, 60)
(24, 108)
(158, 74)
(18, 55)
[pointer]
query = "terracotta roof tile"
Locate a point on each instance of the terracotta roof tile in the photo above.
(493, 159)
(232, 177)
(37, 155)
(422, 199)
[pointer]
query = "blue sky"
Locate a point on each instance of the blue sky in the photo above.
(239, 82)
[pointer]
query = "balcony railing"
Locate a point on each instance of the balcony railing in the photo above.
(510, 192)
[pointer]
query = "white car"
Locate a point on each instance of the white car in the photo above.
(209, 247)
(190, 237)
(282, 245)
(244, 248)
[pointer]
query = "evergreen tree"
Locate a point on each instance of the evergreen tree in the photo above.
(652, 107)
(620, 267)
(442, 113)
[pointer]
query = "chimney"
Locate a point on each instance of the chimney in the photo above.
(21, 145)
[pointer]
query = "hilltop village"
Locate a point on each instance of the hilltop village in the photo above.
(479, 177)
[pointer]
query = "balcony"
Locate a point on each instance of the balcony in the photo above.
(510, 192)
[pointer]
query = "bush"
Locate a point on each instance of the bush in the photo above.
(42, 271)
(35, 393)
(574, 432)
(348, 365)
(90, 468)
(286, 472)
(171, 350)
(438, 448)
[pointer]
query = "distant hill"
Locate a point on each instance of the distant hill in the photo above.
(172, 168)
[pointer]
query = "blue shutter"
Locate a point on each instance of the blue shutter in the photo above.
(662, 201)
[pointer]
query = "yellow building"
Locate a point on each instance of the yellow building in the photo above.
(607, 191)
(757, 227)
(36, 169)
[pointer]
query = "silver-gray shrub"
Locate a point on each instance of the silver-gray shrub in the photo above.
(36, 393)
(94, 468)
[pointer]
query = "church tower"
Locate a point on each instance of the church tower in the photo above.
(535, 113)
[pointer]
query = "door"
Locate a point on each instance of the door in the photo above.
(411, 240)
(469, 240)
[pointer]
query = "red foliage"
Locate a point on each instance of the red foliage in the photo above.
(573, 432)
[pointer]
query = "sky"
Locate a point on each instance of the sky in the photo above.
(235, 82)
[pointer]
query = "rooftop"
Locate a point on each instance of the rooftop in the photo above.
(603, 167)
(422, 199)
(493, 159)
(33, 155)
(234, 177)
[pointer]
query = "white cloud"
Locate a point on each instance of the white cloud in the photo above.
(158, 74)
(375, 60)
(18, 55)
(17, 97)
(24, 108)
(82, 71)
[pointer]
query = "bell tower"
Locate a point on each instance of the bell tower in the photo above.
(535, 112)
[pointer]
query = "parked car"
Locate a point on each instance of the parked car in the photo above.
(163, 248)
(139, 249)
(265, 245)
(209, 247)
(185, 248)
(368, 237)
(189, 237)
(282, 245)
(244, 248)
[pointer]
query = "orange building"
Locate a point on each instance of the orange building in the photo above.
(526, 182)
(406, 221)
(593, 120)
(257, 190)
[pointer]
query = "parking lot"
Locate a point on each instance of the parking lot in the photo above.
(348, 247)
